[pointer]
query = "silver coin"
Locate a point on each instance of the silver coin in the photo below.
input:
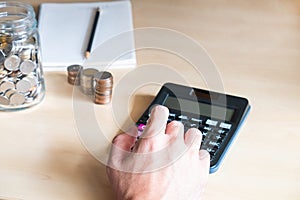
(32, 79)
(16, 99)
(4, 101)
(89, 72)
(25, 54)
(86, 80)
(87, 75)
(6, 85)
(10, 92)
(27, 66)
(23, 86)
(4, 73)
(74, 68)
(87, 90)
(12, 63)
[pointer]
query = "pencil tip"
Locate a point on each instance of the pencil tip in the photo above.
(98, 9)
(87, 54)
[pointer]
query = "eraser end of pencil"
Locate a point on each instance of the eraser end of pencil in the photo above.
(87, 54)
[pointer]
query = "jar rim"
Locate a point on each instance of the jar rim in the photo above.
(25, 23)
(30, 12)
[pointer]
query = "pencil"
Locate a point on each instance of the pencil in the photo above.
(92, 35)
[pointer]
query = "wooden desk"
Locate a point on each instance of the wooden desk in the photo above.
(256, 46)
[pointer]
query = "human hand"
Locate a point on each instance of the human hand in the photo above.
(163, 164)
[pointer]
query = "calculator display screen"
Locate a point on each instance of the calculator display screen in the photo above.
(194, 107)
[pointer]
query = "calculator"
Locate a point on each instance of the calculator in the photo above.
(218, 116)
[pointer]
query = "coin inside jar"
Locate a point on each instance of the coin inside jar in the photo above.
(27, 66)
(33, 80)
(16, 99)
(12, 63)
(3, 73)
(23, 86)
(4, 100)
(6, 85)
(25, 54)
(10, 92)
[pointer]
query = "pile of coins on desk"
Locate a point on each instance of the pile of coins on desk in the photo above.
(87, 80)
(92, 82)
(73, 74)
(21, 80)
(103, 88)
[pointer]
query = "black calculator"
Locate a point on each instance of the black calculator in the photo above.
(218, 116)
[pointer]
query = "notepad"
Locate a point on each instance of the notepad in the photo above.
(65, 29)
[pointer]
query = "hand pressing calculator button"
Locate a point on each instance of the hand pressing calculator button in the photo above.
(218, 116)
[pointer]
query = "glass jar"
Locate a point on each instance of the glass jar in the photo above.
(21, 75)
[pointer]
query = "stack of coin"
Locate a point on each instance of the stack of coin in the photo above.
(73, 74)
(103, 87)
(86, 80)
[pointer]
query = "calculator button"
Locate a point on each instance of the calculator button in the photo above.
(224, 133)
(209, 150)
(192, 125)
(211, 122)
(172, 116)
(204, 134)
(212, 150)
(218, 137)
(196, 120)
(207, 128)
(215, 144)
(182, 117)
(214, 137)
(188, 125)
(221, 131)
(225, 125)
